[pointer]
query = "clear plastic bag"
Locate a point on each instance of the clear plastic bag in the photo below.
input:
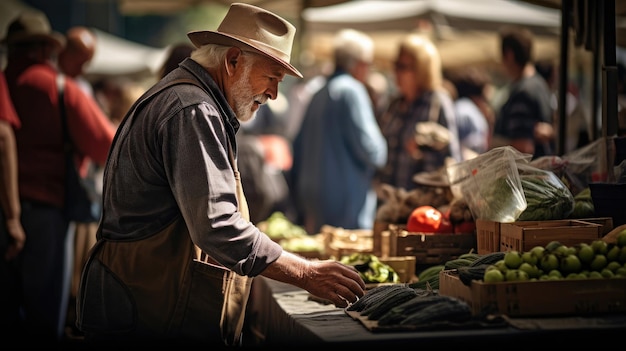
(491, 184)
(547, 197)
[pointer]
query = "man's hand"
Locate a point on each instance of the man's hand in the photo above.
(329, 280)
(17, 238)
(335, 282)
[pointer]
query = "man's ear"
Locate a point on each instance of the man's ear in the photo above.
(232, 59)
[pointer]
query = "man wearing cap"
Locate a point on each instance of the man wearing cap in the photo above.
(176, 251)
(40, 273)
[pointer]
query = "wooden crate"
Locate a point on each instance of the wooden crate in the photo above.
(427, 248)
(573, 297)
(489, 233)
(339, 242)
(524, 235)
(403, 266)
(377, 230)
(487, 236)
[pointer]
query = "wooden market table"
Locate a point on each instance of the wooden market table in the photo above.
(280, 314)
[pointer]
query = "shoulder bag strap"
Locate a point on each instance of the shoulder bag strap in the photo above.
(67, 139)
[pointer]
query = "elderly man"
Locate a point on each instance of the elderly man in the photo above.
(176, 251)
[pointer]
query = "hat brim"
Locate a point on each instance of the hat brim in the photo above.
(200, 38)
(435, 179)
(54, 38)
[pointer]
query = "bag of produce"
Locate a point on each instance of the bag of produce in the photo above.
(491, 184)
(547, 197)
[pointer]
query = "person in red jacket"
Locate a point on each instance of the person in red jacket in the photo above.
(41, 273)
(11, 233)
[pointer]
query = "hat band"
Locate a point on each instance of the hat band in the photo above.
(264, 47)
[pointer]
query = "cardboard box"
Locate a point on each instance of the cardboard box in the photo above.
(538, 298)
(524, 235)
(427, 248)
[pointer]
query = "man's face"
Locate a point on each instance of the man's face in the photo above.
(255, 82)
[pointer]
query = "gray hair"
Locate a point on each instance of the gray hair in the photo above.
(352, 46)
(210, 55)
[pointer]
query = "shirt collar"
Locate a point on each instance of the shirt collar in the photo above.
(203, 76)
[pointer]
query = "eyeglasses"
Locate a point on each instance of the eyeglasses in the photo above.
(400, 66)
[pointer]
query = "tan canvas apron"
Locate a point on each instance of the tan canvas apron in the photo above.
(204, 301)
(236, 287)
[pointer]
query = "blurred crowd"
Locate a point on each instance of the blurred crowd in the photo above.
(320, 152)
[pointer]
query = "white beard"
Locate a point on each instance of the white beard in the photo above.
(243, 98)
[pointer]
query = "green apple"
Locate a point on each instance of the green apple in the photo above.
(555, 273)
(493, 276)
(538, 251)
(515, 275)
(620, 272)
(575, 276)
(570, 250)
(513, 259)
(553, 245)
(531, 270)
(549, 262)
(490, 267)
(562, 251)
(607, 273)
(613, 252)
(595, 275)
(570, 264)
(600, 246)
(585, 253)
(613, 266)
(598, 263)
(530, 258)
(501, 266)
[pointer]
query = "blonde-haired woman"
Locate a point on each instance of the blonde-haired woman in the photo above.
(419, 124)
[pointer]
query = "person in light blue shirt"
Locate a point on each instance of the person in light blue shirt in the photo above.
(339, 146)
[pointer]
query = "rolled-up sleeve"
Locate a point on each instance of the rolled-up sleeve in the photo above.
(198, 168)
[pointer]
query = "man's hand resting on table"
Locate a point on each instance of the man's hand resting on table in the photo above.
(329, 280)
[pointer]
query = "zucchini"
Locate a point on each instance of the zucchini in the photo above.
(396, 314)
(453, 310)
(395, 298)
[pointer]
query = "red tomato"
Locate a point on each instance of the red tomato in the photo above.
(445, 226)
(424, 219)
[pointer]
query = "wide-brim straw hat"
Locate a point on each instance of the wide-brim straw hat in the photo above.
(33, 26)
(252, 28)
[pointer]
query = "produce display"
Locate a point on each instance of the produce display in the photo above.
(595, 260)
(290, 236)
(583, 205)
(400, 306)
(427, 219)
(371, 269)
(547, 198)
(277, 226)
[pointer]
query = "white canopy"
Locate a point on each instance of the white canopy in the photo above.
(371, 15)
(118, 56)
(464, 31)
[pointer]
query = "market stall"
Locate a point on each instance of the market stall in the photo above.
(280, 314)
